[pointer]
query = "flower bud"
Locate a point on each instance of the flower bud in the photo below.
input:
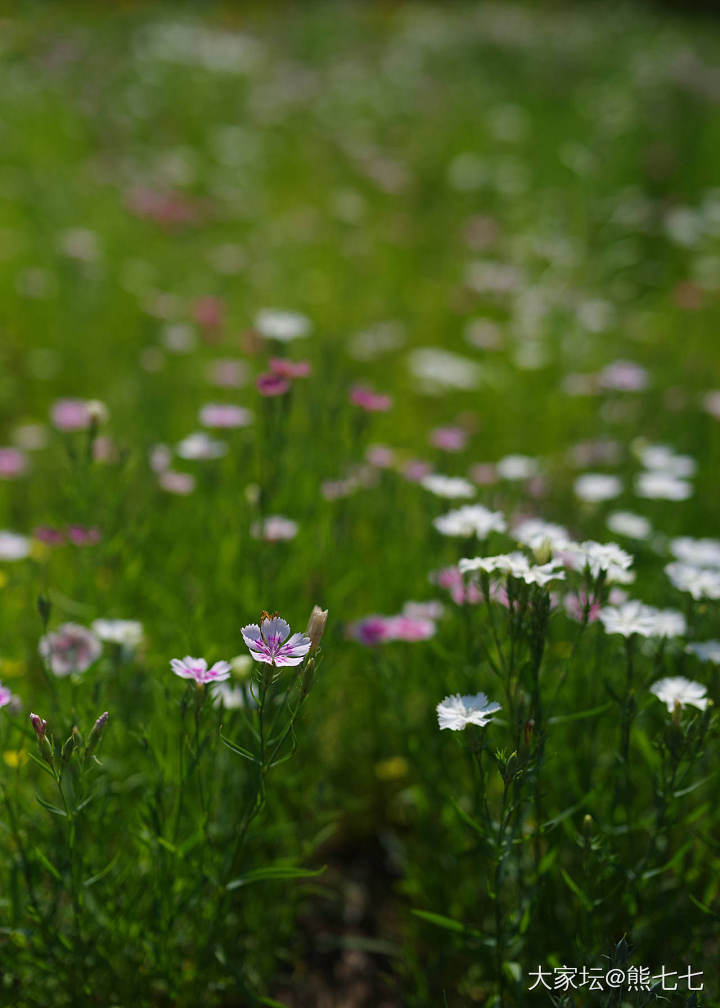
(95, 733)
(543, 552)
(40, 726)
(67, 749)
(97, 412)
(316, 627)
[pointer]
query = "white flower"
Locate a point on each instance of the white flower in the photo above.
(127, 633)
(536, 534)
(448, 486)
(231, 697)
(274, 528)
(698, 582)
(678, 689)
(696, 552)
(13, 546)
(201, 446)
(457, 712)
(657, 485)
(437, 370)
(284, 326)
(517, 467)
(473, 519)
(515, 565)
(635, 617)
(595, 487)
(705, 650)
(633, 526)
(660, 458)
(600, 557)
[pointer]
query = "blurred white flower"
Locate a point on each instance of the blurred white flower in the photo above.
(200, 446)
(537, 534)
(13, 546)
(633, 526)
(678, 689)
(708, 651)
(284, 326)
(658, 485)
(697, 552)
(596, 487)
(127, 633)
(448, 486)
(635, 617)
(473, 519)
(700, 583)
(517, 467)
(515, 565)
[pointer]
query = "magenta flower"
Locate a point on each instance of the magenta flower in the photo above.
(5, 695)
(13, 463)
(271, 642)
(48, 535)
(289, 369)
(39, 726)
(71, 648)
(196, 668)
(368, 400)
(81, 536)
(452, 439)
(416, 470)
(411, 628)
(272, 384)
(371, 630)
(71, 414)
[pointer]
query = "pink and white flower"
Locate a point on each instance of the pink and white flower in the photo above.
(197, 669)
(71, 648)
(5, 696)
(225, 415)
(272, 643)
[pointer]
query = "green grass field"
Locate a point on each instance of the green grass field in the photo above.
(406, 240)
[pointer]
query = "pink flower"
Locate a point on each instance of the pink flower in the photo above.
(368, 400)
(289, 369)
(272, 643)
(49, 536)
(71, 648)
(5, 696)
(575, 607)
(71, 414)
(453, 582)
(13, 463)
(83, 536)
(380, 456)
(371, 630)
(104, 449)
(416, 470)
(228, 373)
(272, 384)
(196, 668)
(411, 628)
(209, 312)
(177, 482)
(225, 415)
(484, 474)
(624, 376)
(452, 439)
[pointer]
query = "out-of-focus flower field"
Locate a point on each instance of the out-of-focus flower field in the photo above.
(408, 312)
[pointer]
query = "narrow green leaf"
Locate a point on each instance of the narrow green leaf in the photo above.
(571, 884)
(693, 787)
(457, 927)
(705, 909)
(274, 873)
(562, 718)
(101, 874)
(652, 872)
(42, 764)
(50, 807)
(47, 864)
(234, 747)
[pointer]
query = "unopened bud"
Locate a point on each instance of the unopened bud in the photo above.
(588, 826)
(40, 726)
(97, 411)
(67, 749)
(528, 731)
(543, 552)
(95, 733)
(316, 627)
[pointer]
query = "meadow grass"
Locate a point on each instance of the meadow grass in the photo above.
(483, 241)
